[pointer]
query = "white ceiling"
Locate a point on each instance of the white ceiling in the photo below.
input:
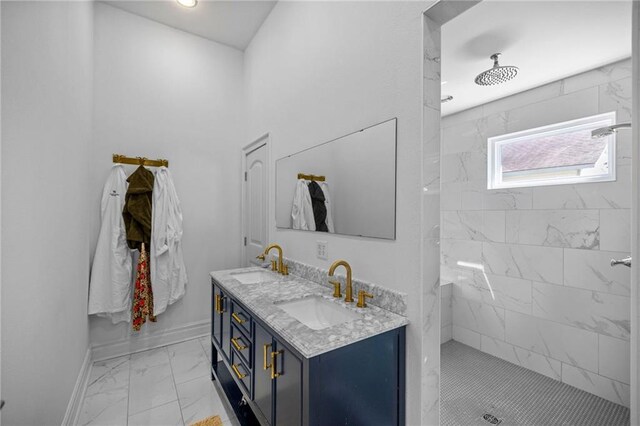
(233, 23)
(547, 40)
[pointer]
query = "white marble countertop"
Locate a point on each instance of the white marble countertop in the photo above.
(260, 298)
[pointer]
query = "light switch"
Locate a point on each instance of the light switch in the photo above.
(321, 250)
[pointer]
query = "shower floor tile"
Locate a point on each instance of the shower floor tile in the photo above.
(474, 383)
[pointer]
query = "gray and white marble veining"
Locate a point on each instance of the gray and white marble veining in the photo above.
(555, 228)
(260, 298)
(384, 298)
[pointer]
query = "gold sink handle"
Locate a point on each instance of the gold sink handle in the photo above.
(362, 295)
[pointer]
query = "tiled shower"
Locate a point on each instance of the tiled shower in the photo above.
(525, 272)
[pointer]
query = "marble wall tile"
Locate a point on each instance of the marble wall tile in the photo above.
(472, 194)
(446, 314)
(463, 167)
(558, 341)
(522, 99)
(614, 358)
(526, 262)
(591, 270)
(450, 196)
(615, 230)
(616, 96)
(474, 225)
(454, 251)
(522, 357)
(504, 292)
(580, 104)
(478, 317)
(465, 137)
(507, 199)
(602, 195)
(555, 228)
(596, 384)
(598, 76)
(601, 313)
(446, 333)
(466, 336)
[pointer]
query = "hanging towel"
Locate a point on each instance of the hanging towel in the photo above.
(168, 273)
(142, 293)
(137, 208)
(110, 283)
(329, 206)
(302, 210)
(319, 208)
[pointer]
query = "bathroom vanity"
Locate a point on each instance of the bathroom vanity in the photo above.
(289, 353)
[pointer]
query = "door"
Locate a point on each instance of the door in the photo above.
(635, 220)
(288, 387)
(263, 386)
(216, 316)
(255, 204)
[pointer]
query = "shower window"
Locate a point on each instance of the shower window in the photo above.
(562, 153)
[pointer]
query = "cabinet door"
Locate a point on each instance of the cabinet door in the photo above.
(263, 386)
(216, 317)
(288, 388)
(225, 323)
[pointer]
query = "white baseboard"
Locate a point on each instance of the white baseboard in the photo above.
(77, 396)
(161, 338)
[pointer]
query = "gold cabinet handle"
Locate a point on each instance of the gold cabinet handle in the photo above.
(238, 319)
(218, 303)
(274, 362)
(234, 341)
(238, 373)
(265, 349)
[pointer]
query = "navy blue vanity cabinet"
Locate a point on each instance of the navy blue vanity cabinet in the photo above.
(278, 380)
(268, 382)
(220, 321)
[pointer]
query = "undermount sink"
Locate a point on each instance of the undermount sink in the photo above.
(254, 277)
(318, 313)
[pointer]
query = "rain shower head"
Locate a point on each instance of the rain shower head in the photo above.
(497, 74)
(609, 130)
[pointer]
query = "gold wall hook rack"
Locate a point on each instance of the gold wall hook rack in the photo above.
(141, 161)
(311, 177)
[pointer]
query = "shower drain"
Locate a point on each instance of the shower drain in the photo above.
(492, 419)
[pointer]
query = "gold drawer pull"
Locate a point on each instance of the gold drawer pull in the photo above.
(234, 341)
(238, 319)
(238, 373)
(265, 349)
(274, 361)
(218, 310)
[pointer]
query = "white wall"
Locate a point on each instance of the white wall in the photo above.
(557, 306)
(46, 129)
(164, 93)
(319, 70)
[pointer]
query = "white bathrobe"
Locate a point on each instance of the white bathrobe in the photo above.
(168, 273)
(110, 284)
(302, 210)
(327, 203)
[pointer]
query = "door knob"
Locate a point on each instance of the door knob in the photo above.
(626, 262)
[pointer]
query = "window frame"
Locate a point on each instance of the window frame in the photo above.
(494, 153)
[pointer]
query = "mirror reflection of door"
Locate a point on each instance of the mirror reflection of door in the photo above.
(255, 204)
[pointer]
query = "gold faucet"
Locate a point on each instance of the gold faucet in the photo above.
(349, 290)
(281, 268)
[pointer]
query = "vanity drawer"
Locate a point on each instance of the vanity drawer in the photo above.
(241, 344)
(241, 373)
(241, 318)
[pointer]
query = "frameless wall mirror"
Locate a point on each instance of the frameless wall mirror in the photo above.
(344, 186)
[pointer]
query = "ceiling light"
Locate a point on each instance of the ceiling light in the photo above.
(187, 3)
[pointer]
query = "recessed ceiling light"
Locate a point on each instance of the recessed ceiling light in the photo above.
(187, 3)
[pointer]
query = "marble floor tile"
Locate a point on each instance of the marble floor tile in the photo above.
(149, 358)
(199, 399)
(167, 414)
(188, 361)
(151, 387)
(109, 407)
(108, 375)
(206, 345)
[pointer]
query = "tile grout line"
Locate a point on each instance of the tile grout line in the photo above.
(175, 385)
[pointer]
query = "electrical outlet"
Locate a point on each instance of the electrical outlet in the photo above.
(321, 250)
